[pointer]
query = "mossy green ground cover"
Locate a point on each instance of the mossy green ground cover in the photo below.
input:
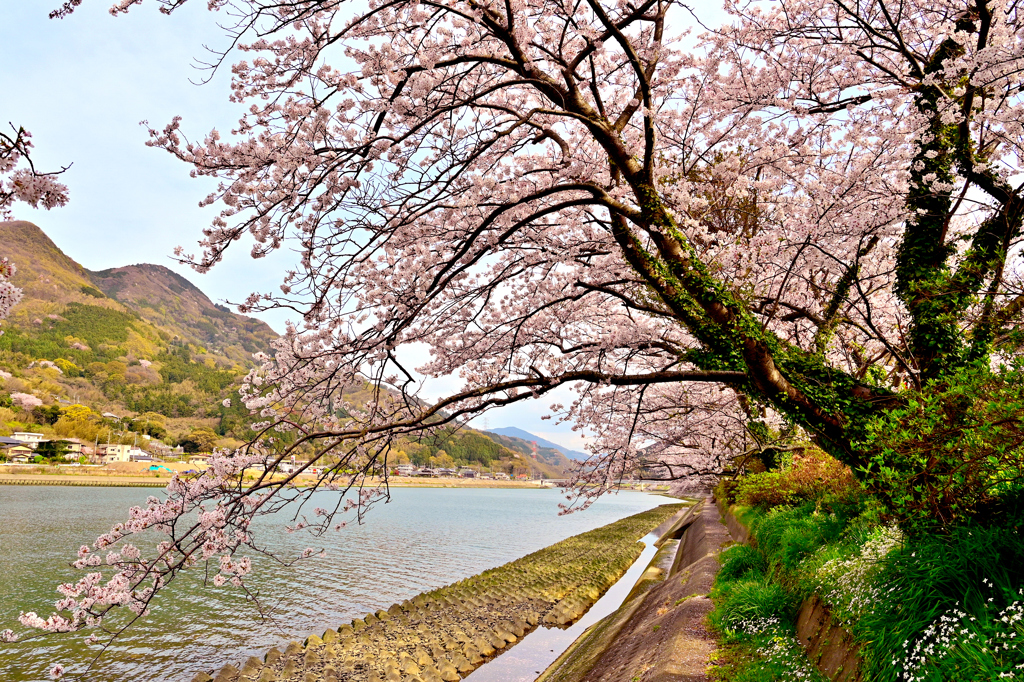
(929, 607)
(447, 633)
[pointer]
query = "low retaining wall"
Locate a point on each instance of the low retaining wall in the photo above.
(829, 646)
(91, 484)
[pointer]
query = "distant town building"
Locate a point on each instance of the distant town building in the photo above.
(405, 470)
(116, 452)
(29, 439)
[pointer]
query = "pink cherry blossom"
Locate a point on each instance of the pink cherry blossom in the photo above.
(692, 247)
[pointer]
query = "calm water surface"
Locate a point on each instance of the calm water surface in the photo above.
(422, 539)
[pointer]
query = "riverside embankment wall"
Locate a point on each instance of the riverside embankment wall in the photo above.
(447, 633)
(659, 631)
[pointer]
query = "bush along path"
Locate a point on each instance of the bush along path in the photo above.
(828, 568)
(447, 633)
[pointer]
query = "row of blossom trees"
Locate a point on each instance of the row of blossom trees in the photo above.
(787, 227)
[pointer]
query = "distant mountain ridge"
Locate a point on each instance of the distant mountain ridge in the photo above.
(527, 436)
(51, 280)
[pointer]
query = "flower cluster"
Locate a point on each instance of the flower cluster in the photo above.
(10, 295)
(780, 654)
(26, 401)
(956, 640)
(849, 585)
(23, 182)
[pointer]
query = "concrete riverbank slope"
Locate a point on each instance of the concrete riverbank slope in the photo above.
(447, 633)
(658, 635)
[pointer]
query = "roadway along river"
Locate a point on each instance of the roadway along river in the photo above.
(422, 539)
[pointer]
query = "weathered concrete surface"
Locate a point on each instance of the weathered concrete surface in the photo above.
(740, 533)
(659, 635)
(447, 633)
(828, 646)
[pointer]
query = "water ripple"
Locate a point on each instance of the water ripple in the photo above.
(421, 540)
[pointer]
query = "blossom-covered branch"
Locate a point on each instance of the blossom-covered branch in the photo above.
(784, 229)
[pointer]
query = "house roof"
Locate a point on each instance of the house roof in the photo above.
(4, 440)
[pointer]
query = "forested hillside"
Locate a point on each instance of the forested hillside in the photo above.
(143, 341)
(139, 338)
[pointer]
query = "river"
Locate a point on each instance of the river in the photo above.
(421, 540)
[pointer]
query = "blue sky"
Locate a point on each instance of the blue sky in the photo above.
(82, 85)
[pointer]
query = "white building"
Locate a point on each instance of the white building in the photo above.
(116, 452)
(29, 439)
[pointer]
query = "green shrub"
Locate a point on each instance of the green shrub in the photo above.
(766, 490)
(953, 453)
(813, 476)
(92, 291)
(742, 561)
(726, 490)
(747, 601)
(787, 535)
(971, 571)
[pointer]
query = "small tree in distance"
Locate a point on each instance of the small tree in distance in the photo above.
(793, 227)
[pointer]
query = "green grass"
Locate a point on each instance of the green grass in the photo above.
(929, 608)
(754, 619)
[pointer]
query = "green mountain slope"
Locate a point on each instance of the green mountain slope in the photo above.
(142, 336)
(143, 339)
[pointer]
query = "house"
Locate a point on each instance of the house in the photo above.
(74, 446)
(29, 439)
(20, 454)
(405, 470)
(116, 452)
(467, 472)
(14, 450)
(501, 476)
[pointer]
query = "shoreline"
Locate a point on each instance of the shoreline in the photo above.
(118, 480)
(447, 633)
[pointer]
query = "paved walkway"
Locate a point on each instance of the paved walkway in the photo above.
(661, 636)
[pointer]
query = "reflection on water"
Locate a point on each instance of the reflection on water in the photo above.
(421, 540)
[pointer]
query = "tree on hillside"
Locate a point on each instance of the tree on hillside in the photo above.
(799, 225)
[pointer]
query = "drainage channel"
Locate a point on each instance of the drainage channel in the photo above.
(525, 661)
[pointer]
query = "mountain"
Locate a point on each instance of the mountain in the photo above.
(171, 302)
(143, 339)
(528, 437)
(139, 337)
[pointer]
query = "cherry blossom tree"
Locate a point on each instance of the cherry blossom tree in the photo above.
(20, 181)
(791, 222)
(19, 178)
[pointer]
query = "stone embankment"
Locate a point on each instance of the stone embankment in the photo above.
(447, 633)
(658, 634)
